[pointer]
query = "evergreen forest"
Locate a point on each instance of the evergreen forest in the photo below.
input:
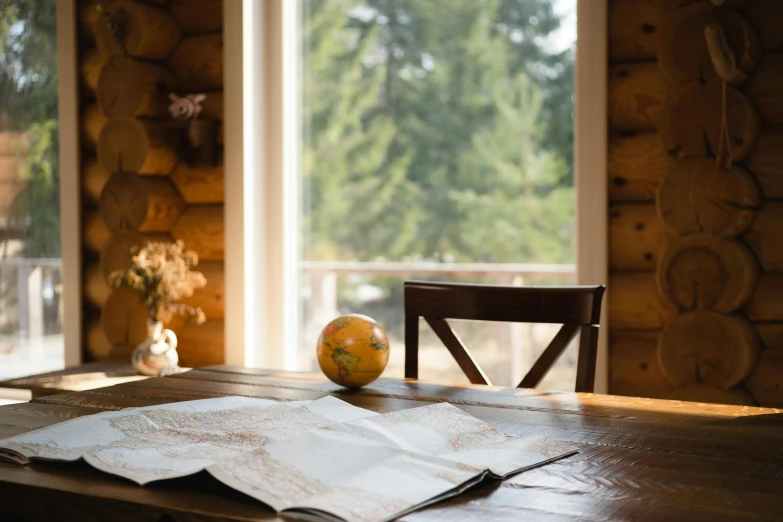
(28, 104)
(436, 130)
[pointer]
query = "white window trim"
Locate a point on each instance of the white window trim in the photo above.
(259, 245)
(234, 166)
(590, 161)
(70, 194)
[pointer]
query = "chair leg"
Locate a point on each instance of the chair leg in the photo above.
(549, 357)
(588, 352)
(411, 347)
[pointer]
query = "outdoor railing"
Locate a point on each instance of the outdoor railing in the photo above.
(28, 302)
(520, 342)
(322, 276)
(427, 268)
(24, 304)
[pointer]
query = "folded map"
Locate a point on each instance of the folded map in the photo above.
(317, 460)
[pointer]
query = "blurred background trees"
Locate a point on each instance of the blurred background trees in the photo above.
(427, 125)
(28, 104)
(437, 127)
(434, 131)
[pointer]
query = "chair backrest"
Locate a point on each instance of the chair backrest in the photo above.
(577, 308)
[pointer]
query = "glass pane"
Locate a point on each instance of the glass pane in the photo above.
(437, 144)
(30, 264)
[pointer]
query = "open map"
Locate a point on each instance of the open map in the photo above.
(323, 459)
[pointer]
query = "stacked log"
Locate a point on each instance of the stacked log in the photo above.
(694, 248)
(140, 181)
(127, 86)
(126, 27)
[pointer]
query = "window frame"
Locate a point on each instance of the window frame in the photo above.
(70, 193)
(591, 129)
(259, 245)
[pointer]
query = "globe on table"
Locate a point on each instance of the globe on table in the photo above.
(353, 350)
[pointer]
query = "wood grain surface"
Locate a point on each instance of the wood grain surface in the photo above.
(140, 30)
(707, 347)
(706, 271)
(696, 196)
(639, 459)
(637, 164)
(690, 121)
(143, 203)
(136, 145)
(92, 122)
(131, 87)
(199, 183)
(78, 378)
(201, 228)
(208, 18)
(686, 30)
(197, 62)
(637, 93)
(637, 238)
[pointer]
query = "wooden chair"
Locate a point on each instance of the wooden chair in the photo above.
(577, 308)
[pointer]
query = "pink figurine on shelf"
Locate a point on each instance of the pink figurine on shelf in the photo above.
(186, 107)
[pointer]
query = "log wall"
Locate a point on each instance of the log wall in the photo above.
(145, 175)
(696, 207)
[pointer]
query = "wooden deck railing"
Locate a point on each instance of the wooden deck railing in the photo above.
(321, 305)
(26, 307)
(322, 276)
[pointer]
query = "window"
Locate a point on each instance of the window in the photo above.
(392, 139)
(32, 281)
(436, 143)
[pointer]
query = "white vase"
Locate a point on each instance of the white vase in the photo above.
(157, 354)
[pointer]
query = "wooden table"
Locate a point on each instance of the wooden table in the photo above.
(77, 378)
(639, 459)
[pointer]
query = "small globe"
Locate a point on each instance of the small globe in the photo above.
(353, 350)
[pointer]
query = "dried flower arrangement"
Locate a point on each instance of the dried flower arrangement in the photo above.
(162, 274)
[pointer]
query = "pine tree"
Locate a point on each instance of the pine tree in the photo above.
(528, 214)
(351, 180)
(426, 131)
(28, 103)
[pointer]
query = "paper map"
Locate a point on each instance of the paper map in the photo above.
(322, 460)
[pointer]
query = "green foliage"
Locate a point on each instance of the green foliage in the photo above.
(39, 202)
(529, 214)
(437, 126)
(28, 103)
(351, 181)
